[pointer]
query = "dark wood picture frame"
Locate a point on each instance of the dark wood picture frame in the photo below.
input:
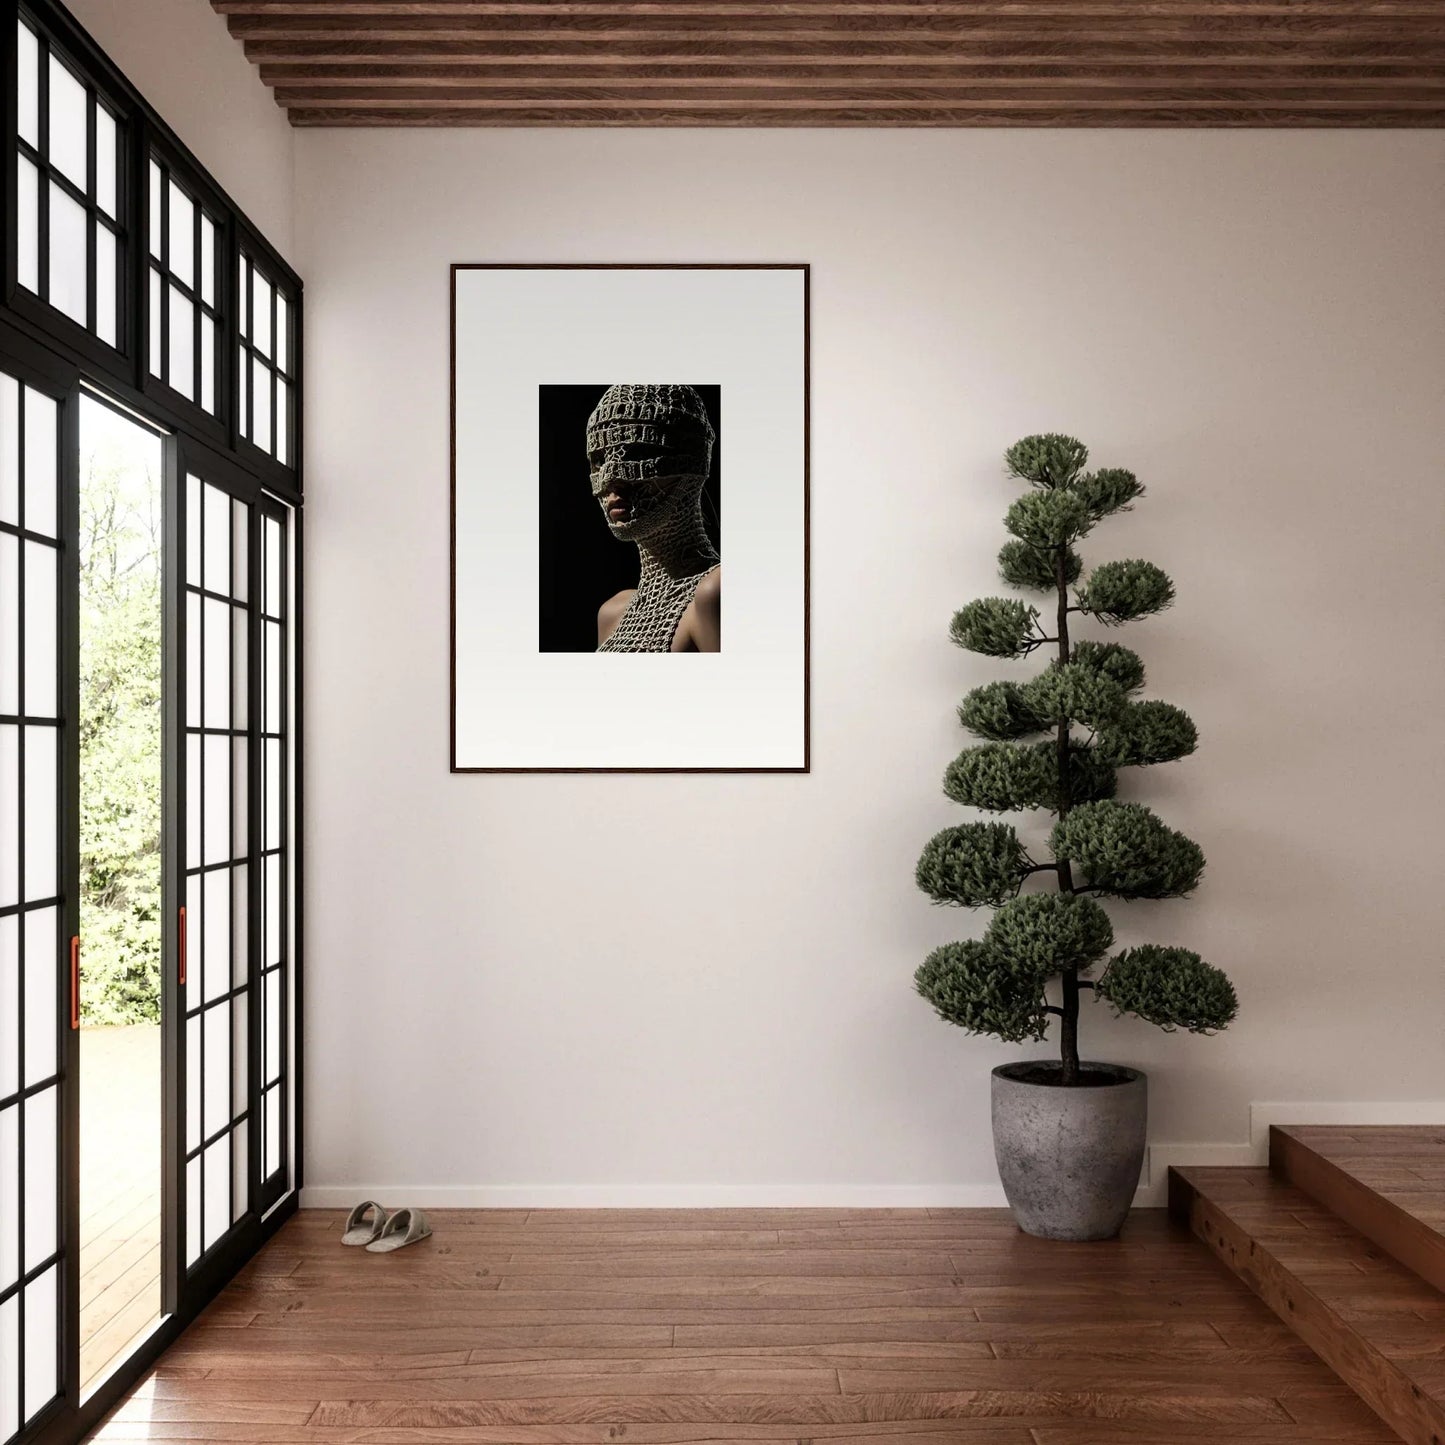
(806, 269)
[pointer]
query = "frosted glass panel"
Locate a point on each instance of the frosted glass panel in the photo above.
(9, 815)
(272, 1132)
(41, 1145)
(271, 997)
(217, 683)
(208, 260)
(106, 160)
(105, 303)
(240, 1168)
(218, 543)
(238, 1054)
(193, 531)
(40, 623)
(208, 364)
(272, 833)
(243, 281)
(156, 341)
(193, 1087)
(240, 670)
(182, 345)
(240, 924)
(9, 449)
(218, 1190)
(193, 1210)
(217, 1111)
(218, 937)
(41, 1336)
(182, 258)
(273, 677)
(283, 423)
(67, 255)
(9, 1375)
(156, 190)
(42, 995)
(27, 221)
(193, 660)
(195, 918)
(41, 417)
(240, 531)
(272, 952)
(283, 333)
(241, 809)
(68, 106)
(217, 847)
(261, 314)
(193, 801)
(9, 1196)
(9, 624)
(9, 1020)
(27, 94)
(260, 404)
(273, 568)
(243, 389)
(39, 879)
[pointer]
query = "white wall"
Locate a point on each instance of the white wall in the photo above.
(600, 988)
(181, 57)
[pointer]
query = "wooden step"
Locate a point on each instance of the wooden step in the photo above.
(1387, 1181)
(1378, 1325)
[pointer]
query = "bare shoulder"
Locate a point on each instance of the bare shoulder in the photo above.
(610, 613)
(709, 592)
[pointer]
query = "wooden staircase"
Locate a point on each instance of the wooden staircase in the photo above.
(1343, 1236)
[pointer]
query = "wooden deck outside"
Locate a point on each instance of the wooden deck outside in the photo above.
(120, 1193)
(670, 1326)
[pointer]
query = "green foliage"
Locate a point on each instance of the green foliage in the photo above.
(1109, 490)
(1045, 933)
(1048, 519)
(1122, 591)
(1127, 852)
(996, 985)
(1113, 660)
(1073, 692)
(1048, 460)
(1148, 732)
(999, 777)
(120, 742)
(981, 993)
(1021, 565)
(973, 864)
(1170, 987)
(995, 626)
(997, 710)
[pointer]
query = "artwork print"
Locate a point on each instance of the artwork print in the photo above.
(601, 416)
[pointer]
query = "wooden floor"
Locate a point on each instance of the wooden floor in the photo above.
(764, 1325)
(120, 1193)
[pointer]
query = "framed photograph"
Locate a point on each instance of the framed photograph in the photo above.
(618, 433)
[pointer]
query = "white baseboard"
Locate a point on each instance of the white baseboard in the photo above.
(1152, 1187)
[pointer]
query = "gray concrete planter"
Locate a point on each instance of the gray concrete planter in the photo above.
(1069, 1158)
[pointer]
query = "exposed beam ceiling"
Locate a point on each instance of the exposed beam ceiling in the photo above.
(849, 62)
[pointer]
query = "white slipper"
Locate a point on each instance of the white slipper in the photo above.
(361, 1230)
(406, 1226)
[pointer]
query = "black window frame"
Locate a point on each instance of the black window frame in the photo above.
(42, 345)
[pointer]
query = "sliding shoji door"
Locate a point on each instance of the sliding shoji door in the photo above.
(230, 1046)
(38, 1001)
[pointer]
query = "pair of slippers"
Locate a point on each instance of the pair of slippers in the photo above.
(371, 1226)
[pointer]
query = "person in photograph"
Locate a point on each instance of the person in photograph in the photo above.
(649, 450)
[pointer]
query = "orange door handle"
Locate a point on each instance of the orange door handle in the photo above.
(75, 983)
(181, 924)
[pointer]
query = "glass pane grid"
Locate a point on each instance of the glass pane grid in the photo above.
(217, 863)
(265, 366)
(185, 315)
(30, 916)
(71, 243)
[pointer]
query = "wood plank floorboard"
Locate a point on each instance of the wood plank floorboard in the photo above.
(694, 1327)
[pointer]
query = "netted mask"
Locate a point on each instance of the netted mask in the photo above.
(649, 447)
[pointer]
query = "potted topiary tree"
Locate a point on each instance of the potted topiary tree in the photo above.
(1068, 1135)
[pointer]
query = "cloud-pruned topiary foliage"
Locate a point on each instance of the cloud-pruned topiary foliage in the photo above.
(1170, 987)
(973, 864)
(1040, 942)
(996, 627)
(1126, 852)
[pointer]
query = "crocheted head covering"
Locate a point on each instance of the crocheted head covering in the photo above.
(648, 439)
